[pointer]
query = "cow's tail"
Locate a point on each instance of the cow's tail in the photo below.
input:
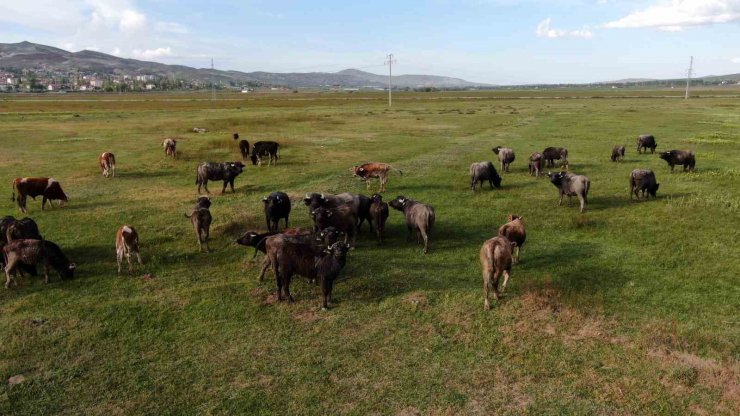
(113, 159)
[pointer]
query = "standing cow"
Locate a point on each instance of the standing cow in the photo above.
(505, 156)
(209, 171)
(571, 184)
(495, 260)
(265, 148)
(679, 157)
(643, 180)
(373, 170)
(551, 154)
(28, 253)
(48, 188)
(107, 161)
(535, 164)
(419, 217)
(277, 207)
(646, 141)
(484, 171)
(170, 147)
(378, 215)
(201, 219)
(617, 153)
(127, 245)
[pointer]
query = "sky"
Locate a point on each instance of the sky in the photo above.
(489, 41)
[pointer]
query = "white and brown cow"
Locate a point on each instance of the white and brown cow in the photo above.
(374, 170)
(170, 147)
(107, 162)
(49, 188)
(127, 245)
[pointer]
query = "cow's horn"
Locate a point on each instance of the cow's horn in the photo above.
(307, 197)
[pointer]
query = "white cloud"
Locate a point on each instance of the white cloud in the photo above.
(171, 27)
(674, 15)
(132, 20)
(153, 53)
(736, 60)
(545, 31)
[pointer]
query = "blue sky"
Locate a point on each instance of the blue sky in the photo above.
(493, 41)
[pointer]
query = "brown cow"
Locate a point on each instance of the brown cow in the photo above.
(515, 232)
(170, 147)
(49, 188)
(495, 260)
(374, 170)
(107, 162)
(127, 244)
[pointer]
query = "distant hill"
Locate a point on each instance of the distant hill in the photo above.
(30, 55)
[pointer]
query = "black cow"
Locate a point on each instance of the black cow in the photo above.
(209, 171)
(25, 228)
(551, 154)
(643, 180)
(277, 207)
(679, 157)
(262, 149)
(646, 141)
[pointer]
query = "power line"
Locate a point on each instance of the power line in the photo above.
(389, 60)
(688, 77)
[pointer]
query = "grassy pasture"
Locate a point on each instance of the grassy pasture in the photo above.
(629, 308)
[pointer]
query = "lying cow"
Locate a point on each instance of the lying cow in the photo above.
(419, 217)
(484, 171)
(535, 164)
(170, 147)
(48, 188)
(571, 184)
(226, 171)
(495, 260)
(265, 149)
(646, 141)
(643, 180)
(679, 157)
(374, 170)
(505, 156)
(551, 154)
(107, 162)
(617, 153)
(30, 252)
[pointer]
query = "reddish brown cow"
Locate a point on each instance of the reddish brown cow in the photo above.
(49, 188)
(374, 170)
(108, 164)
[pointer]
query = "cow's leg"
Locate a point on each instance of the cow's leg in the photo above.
(231, 183)
(265, 265)
(426, 240)
(199, 238)
(226, 183)
(286, 221)
(286, 289)
(119, 259)
(506, 280)
(632, 191)
(560, 201)
(43, 203)
(326, 286)
(9, 268)
(408, 238)
(494, 284)
(487, 273)
(279, 284)
(583, 202)
(570, 199)
(138, 256)
(206, 238)
(46, 271)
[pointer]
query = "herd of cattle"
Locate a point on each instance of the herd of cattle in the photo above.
(316, 253)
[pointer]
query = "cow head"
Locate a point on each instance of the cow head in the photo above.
(203, 202)
(321, 216)
(497, 180)
(556, 178)
(338, 250)
(250, 238)
(234, 168)
(328, 235)
(399, 203)
(496, 149)
(68, 272)
(376, 198)
(236, 136)
(654, 189)
(253, 158)
(513, 217)
(666, 155)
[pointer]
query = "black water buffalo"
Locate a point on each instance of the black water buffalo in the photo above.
(571, 184)
(277, 207)
(679, 157)
(646, 141)
(265, 149)
(643, 180)
(484, 171)
(226, 171)
(551, 154)
(25, 228)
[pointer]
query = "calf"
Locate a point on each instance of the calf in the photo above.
(227, 172)
(22, 229)
(514, 231)
(328, 268)
(643, 180)
(571, 184)
(277, 207)
(48, 188)
(535, 164)
(265, 148)
(495, 260)
(505, 156)
(373, 170)
(170, 147)
(201, 219)
(29, 252)
(378, 215)
(484, 171)
(419, 217)
(107, 162)
(679, 157)
(617, 153)
(127, 244)
(551, 154)
(340, 218)
(646, 141)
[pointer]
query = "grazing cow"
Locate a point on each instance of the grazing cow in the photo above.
(265, 148)
(618, 153)
(551, 154)
(378, 215)
(201, 219)
(646, 141)
(277, 207)
(170, 147)
(342, 218)
(199, 130)
(209, 171)
(535, 164)
(107, 162)
(22, 229)
(515, 232)
(571, 184)
(127, 244)
(505, 156)
(495, 260)
(643, 180)
(484, 171)
(48, 188)
(419, 217)
(29, 253)
(679, 157)
(373, 170)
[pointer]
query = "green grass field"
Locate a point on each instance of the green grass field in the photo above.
(629, 308)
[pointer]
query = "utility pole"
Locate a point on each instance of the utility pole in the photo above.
(213, 86)
(688, 77)
(389, 60)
